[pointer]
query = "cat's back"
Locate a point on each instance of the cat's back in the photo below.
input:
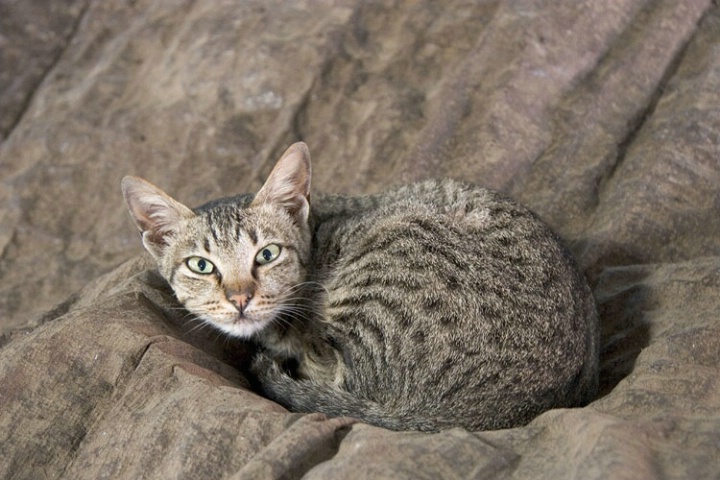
(455, 223)
(468, 294)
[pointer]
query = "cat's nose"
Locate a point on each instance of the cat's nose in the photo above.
(239, 299)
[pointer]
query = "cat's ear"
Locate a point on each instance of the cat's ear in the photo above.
(288, 185)
(156, 214)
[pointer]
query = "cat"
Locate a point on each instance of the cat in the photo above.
(434, 305)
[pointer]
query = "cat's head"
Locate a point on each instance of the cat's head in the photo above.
(235, 266)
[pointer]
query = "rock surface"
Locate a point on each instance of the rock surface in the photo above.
(603, 117)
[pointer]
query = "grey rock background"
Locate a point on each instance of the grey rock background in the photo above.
(604, 117)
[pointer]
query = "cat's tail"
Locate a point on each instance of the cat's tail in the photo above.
(310, 396)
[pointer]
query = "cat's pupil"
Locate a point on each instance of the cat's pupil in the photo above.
(267, 254)
(201, 265)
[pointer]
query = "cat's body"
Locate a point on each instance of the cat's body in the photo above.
(431, 306)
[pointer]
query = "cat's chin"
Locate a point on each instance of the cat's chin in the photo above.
(242, 327)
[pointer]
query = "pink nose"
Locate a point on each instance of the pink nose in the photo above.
(239, 299)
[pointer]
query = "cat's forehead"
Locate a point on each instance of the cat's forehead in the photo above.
(228, 225)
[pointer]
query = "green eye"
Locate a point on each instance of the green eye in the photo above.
(200, 265)
(267, 254)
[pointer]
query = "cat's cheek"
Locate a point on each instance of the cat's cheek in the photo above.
(185, 295)
(282, 281)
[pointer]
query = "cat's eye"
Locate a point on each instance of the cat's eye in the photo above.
(267, 254)
(200, 265)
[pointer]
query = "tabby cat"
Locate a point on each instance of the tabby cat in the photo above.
(434, 305)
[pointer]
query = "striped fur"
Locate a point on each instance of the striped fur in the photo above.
(427, 307)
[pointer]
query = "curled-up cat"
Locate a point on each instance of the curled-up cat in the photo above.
(434, 305)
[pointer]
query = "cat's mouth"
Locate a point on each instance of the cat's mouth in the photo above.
(239, 324)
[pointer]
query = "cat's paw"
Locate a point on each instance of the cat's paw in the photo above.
(265, 368)
(273, 381)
